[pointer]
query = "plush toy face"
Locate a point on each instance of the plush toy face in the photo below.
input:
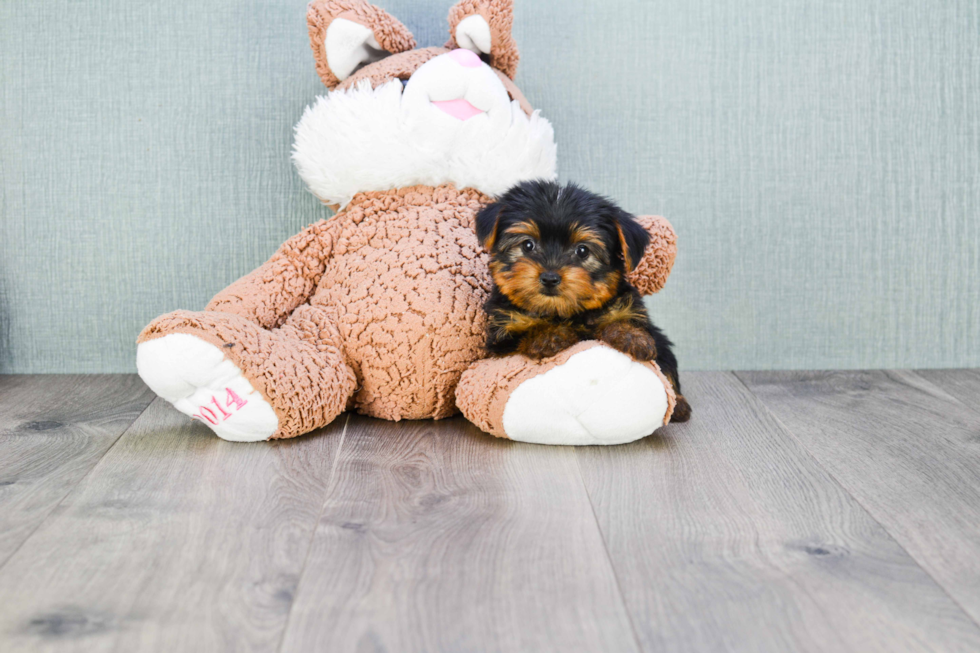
(456, 92)
(400, 117)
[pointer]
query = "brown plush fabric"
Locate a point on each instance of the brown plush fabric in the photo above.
(386, 297)
(668, 386)
(408, 281)
(485, 387)
(270, 293)
(651, 273)
(499, 14)
(391, 35)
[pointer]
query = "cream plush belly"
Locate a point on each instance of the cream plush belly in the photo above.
(407, 283)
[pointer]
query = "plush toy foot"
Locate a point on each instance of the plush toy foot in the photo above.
(197, 378)
(588, 394)
(294, 378)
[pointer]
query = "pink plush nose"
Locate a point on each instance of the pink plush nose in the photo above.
(466, 58)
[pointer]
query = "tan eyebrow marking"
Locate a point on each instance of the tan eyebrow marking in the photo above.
(524, 229)
(580, 234)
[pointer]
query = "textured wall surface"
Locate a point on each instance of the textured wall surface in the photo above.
(820, 161)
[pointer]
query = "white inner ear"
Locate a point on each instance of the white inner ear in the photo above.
(349, 45)
(473, 33)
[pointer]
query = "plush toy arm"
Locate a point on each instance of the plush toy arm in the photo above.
(651, 273)
(270, 293)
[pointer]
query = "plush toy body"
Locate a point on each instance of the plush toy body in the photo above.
(380, 308)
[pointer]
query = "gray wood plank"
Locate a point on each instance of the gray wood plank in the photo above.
(176, 541)
(905, 449)
(437, 537)
(53, 430)
(727, 536)
(962, 384)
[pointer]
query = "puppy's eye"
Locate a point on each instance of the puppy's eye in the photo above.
(528, 245)
(582, 252)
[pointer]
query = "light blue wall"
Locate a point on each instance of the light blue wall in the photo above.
(820, 161)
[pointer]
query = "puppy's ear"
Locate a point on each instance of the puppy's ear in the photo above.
(484, 26)
(486, 225)
(633, 238)
(347, 34)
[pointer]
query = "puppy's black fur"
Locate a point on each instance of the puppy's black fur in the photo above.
(559, 260)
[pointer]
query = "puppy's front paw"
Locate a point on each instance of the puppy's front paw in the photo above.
(631, 340)
(547, 341)
(682, 410)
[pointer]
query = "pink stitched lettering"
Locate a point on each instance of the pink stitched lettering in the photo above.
(213, 418)
(233, 398)
(224, 414)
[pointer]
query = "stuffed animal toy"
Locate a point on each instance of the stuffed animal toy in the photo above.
(379, 309)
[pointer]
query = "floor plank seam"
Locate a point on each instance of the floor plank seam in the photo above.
(316, 524)
(932, 384)
(863, 507)
(77, 484)
(605, 548)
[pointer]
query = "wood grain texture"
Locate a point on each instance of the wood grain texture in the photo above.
(905, 449)
(177, 541)
(53, 430)
(727, 536)
(437, 537)
(962, 384)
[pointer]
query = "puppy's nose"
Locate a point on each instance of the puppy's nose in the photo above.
(550, 279)
(466, 58)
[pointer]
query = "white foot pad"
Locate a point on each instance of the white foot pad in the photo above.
(598, 396)
(200, 382)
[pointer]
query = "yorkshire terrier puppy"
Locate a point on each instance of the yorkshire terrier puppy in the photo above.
(559, 260)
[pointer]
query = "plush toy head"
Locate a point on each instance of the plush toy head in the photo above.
(399, 117)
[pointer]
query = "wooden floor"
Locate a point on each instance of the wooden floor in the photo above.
(797, 511)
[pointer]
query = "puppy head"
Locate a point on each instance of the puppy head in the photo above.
(559, 250)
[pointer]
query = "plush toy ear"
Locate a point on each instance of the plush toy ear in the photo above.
(633, 239)
(484, 26)
(348, 34)
(486, 225)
